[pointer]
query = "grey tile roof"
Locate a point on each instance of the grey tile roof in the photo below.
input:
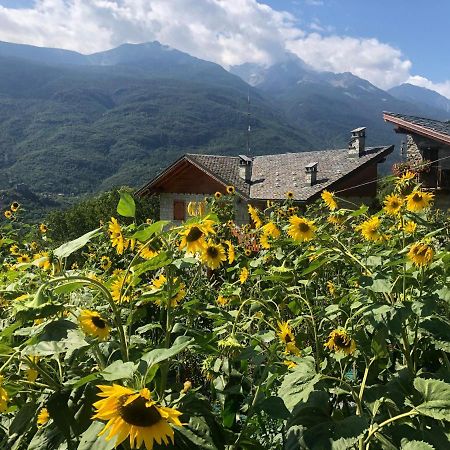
(274, 175)
(434, 125)
(225, 168)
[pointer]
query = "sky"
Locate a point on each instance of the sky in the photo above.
(387, 42)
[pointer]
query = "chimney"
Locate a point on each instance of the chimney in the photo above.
(357, 143)
(245, 168)
(311, 173)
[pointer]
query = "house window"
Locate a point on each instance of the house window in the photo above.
(179, 208)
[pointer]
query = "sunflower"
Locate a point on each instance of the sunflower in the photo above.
(43, 417)
(43, 228)
(247, 252)
(405, 178)
(4, 397)
(330, 201)
(23, 259)
(93, 324)
(340, 341)
(393, 204)
(289, 195)
(118, 288)
(335, 220)
(105, 263)
(135, 414)
(270, 230)
(243, 275)
(285, 333)
(34, 245)
(301, 229)
(222, 301)
(14, 206)
(14, 250)
(331, 288)
(42, 260)
(116, 236)
(421, 254)
(147, 251)
(213, 255)
(193, 236)
(417, 200)
(231, 190)
(410, 227)
(270, 203)
(231, 253)
(369, 229)
(218, 195)
(8, 214)
(290, 364)
(255, 216)
(160, 281)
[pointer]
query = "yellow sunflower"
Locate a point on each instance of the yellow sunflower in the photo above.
(405, 178)
(4, 397)
(421, 254)
(330, 201)
(285, 333)
(160, 281)
(393, 204)
(43, 228)
(231, 252)
(134, 414)
(418, 200)
(270, 230)
(248, 252)
(270, 203)
(369, 229)
(115, 234)
(105, 263)
(213, 255)
(255, 216)
(23, 259)
(331, 288)
(14, 206)
(218, 195)
(42, 260)
(222, 301)
(340, 341)
(14, 250)
(118, 288)
(335, 220)
(193, 235)
(410, 227)
(43, 417)
(243, 275)
(93, 324)
(147, 252)
(230, 190)
(301, 229)
(8, 214)
(289, 195)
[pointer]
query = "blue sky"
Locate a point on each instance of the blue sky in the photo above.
(387, 42)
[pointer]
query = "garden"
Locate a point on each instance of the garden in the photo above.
(325, 327)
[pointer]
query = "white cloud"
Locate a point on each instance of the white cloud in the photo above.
(442, 88)
(228, 32)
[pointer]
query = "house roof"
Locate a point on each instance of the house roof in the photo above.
(434, 129)
(274, 175)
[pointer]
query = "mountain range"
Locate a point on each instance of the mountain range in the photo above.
(75, 124)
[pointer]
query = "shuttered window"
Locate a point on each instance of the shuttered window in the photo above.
(179, 208)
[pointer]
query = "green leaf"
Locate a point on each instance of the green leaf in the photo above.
(274, 407)
(439, 329)
(23, 419)
(161, 354)
(160, 260)
(118, 370)
(148, 231)
(67, 288)
(416, 445)
(90, 440)
(68, 248)
(126, 206)
(299, 383)
(436, 398)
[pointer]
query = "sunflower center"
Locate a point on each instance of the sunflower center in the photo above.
(341, 341)
(98, 322)
(303, 227)
(137, 414)
(212, 252)
(287, 339)
(417, 198)
(194, 234)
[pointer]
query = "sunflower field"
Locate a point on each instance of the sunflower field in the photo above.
(319, 328)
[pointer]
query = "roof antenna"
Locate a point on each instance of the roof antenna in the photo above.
(248, 122)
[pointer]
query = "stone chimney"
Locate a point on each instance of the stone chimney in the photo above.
(311, 174)
(245, 168)
(357, 143)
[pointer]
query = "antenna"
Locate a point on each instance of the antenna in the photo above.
(248, 121)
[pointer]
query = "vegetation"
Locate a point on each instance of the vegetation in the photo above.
(327, 330)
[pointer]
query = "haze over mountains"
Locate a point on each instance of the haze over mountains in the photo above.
(75, 123)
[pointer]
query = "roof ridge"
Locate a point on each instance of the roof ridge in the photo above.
(415, 117)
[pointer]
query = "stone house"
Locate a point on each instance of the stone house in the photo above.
(427, 147)
(256, 179)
